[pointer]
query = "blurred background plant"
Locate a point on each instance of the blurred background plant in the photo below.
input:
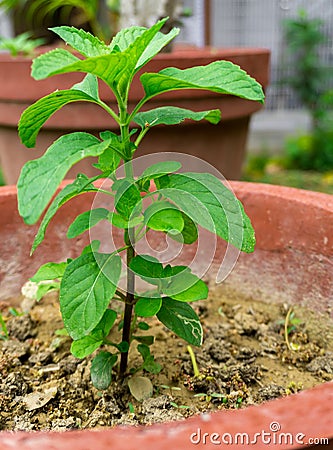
(23, 44)
(101, 17)
(309, 80)
(307, 158)
(264, 168)
(36, 16)
(303, 37)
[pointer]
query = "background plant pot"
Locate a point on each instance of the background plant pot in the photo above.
(222, 145)
(292, 262)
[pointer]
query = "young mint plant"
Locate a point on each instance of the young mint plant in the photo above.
(23, 44)
(180, 202)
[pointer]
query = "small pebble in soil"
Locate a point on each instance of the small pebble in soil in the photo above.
(22, 328)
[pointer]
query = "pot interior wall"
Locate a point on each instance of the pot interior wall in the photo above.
(293, 260)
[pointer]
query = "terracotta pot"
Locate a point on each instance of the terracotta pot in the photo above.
(293, 260)
(222, 145)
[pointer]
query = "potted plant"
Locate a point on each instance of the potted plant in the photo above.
(178, 202)
(18, 90)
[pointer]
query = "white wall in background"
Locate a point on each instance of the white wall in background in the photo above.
(5, 26)
(258, 23)
(193, 30)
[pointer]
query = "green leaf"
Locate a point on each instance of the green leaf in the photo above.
(147, 340)
(147, 307)
(106, 323)
(222, 77)
(108, 161)
(144, 351)
(54, 61)
(128, 198)
(79, 186)
(123, 347)
(143, 326)
(151, 366)
(159, 169)
(34, 117)
(85, 221)
(127, 37)
(89, 85)
(180, 318)
(86, 345)
(49, 271)
(108, 68)
(186, 287)
(148, 360)
(119, 222)
(135, 56)
(88, 285)
(40, 177)
(115, 69)
(189, 233)
(148, 268)
(171, 115)
(44, 288)
(163, 216)
(92, 247)
(101, 369)
(159, 41)
(168, 271)
(82, 41)
(206, 200)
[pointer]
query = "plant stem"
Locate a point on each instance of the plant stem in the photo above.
(129, 303)
(194, 361)
(121, 295)
(286, 333)
(129, 239)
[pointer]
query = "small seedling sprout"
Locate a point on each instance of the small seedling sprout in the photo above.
(290, 324)
(3, 328)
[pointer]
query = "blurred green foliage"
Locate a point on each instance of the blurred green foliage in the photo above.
(310, 151)
(263, 168)
(23, 44)
(303, 37)
(2, 181)
(36, 16)
(310, 80)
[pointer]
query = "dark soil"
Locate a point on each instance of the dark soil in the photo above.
(244, 360)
